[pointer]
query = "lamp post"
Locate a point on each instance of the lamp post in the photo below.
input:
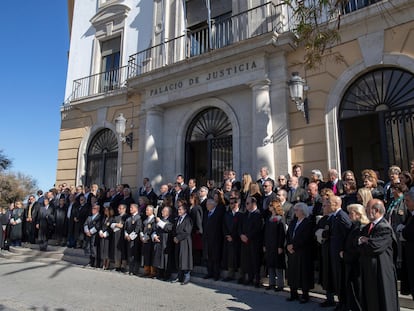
(297, 86)
(120, 126)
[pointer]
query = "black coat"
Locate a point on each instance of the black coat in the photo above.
(148, 227)
(378, 274)
(251, 252)
(118, 236)
(60, 219)
(274, 238)
(106, 242)
(231, 249)
(80, 216)
(408, 235)
(300, 264)
(16, 230)
(45, 219)
(184, 248)
(163, 250)
(213, 234)
(70, 220)
(3, 222)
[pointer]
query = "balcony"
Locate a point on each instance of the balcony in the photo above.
(100, 83)
(257, 21)
(226, 31)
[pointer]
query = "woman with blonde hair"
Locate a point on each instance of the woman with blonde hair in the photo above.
(351, 257)
(245, 189)
(370, 179)
(363, 196)
(274, 242)
(255, 192)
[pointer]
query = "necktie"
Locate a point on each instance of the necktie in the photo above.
(334, 189)
(210, 213)
(371, 225)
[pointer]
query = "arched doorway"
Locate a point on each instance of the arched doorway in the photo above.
(102, 159)
(377, 121)
(209, 146)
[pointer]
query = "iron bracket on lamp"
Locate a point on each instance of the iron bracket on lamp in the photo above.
(120, 125)
(297, 86)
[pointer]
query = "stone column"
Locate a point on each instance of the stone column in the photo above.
(153, 145)
(262, 128)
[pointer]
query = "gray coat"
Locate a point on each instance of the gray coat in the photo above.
(184, 248)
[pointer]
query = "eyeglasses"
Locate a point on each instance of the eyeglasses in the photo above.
(281, 179)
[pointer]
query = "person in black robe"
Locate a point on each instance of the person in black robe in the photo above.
(299, 240)
(80, 215)
(183, 245)
(133, 227)
(213, 239)
(163, 244)
(407, 233)
(16, 224)
(351, 257)
(196, 214)
(148, 227)
(44, 223)
(105, 237)
(119, 241)
(4, 219)
(91, 227)
(251, 236)
(30, 216)
(61, 223)
(73, 207)
(378, 273)
(340, 227)
(231, 245)
(274, 244)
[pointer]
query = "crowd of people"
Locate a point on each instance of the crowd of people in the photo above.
(354, 239)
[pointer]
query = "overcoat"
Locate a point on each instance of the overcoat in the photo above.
(378, 274)
(184, 248)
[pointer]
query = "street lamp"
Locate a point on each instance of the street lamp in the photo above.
(120, 126)
(297, 86)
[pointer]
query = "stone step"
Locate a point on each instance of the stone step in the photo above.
(56, 254)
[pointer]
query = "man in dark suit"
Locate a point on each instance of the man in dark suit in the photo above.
(295, 193)
(378, 273)
(231, 249)
(251, 236)
(302, 180)
(178, 194)
(340, 226)
(30, 217)
(264, 176)
(70, 218)
(314, 201)
(127, 199)
(203, 195)
(234, 182)
(334, 183)
(192, 187)
(268, 197)
(150, 194)
(213, 239)
(288, 211)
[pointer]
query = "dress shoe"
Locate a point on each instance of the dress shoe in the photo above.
(216, 279)
(327, 304)
(207, 276)
(293, 297)
(278, 289)
(228, 279)
(177, 280)
(240, 281)
(269, 287)
(186, 281)
(248, 282)
(304, 299)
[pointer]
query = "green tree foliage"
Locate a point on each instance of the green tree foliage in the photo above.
(5, 162)
(316, 28)
(15, 187)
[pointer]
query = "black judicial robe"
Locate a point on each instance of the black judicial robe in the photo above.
(378, 274)
(274, 238)
(120, 244)
(231, 250)
(300, 273)
(163, 249)
(408, 235)
(184, 248)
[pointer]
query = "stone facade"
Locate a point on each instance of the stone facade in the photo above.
(246, 80)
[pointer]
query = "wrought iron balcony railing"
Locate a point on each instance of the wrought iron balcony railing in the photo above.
(102, 82)
(245, 25)
(257, 21)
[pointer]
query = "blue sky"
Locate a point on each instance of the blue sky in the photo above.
(35, 42)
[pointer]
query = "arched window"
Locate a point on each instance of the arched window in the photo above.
(209, 146)
(102, 159)
(377, 121)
